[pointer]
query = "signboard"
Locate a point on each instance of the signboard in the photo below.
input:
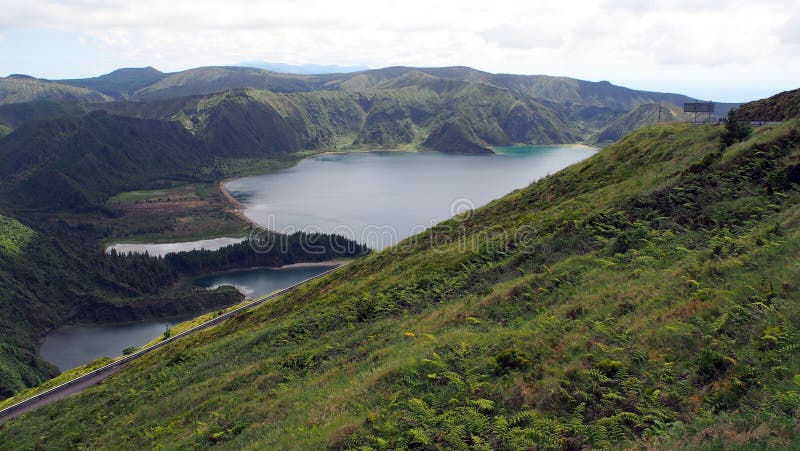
(698, 107)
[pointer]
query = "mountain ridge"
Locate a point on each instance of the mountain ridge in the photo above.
(307, 69)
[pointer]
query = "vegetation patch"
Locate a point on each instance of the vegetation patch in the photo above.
(14, 236)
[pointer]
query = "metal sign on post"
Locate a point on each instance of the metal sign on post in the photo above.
(699, 107)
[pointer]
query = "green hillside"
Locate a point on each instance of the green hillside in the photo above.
(643, 115)
(122, 83)
(550, 110)
(644, 297)
(563, 90)
(78, 163)
(22, 88)
(450, 116)
(779, 107)
(15, 115)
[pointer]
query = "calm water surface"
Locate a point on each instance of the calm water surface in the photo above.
(71, 346)
(380, 198)
(160, 250)
(257, 282)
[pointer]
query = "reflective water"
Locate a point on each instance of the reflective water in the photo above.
(382, 197)
(71, 346)
(159, 250)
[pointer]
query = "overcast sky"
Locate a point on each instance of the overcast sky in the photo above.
(725, 50)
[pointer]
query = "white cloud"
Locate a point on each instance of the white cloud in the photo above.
(671, 42)
(790, 32)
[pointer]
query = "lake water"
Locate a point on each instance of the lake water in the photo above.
(380, 198)
(257, 282)
(160, 250)
(71, 346)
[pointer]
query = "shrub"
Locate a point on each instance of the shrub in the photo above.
(711, 364)
(736, 129)
(609, 367)
(510, 359)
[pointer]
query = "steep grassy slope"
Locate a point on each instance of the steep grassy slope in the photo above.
(22, 88)
(779, 107)
(643, 115)
(647, 294)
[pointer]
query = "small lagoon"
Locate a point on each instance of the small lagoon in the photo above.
(75, 345)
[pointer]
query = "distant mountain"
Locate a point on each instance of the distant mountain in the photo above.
(562, 90)
(306, 69)
(23, 88)
(579, 109)
(779, 107)
(122, 83)
(209, 80)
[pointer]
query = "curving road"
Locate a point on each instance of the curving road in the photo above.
(80, 383)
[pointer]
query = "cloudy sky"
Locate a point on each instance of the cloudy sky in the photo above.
(726, 50)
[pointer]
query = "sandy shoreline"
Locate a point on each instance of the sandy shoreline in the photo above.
(237, 209)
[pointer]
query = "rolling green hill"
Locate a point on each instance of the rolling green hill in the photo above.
(644, 297)
(122, 83)
(22, 88)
